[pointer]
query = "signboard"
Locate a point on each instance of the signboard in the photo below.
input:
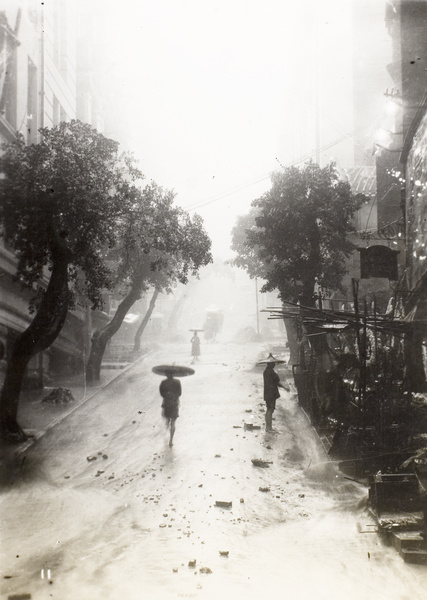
(378, 261)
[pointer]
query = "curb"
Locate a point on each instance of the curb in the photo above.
(23, 448)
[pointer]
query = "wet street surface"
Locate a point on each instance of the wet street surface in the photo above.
(103, 508)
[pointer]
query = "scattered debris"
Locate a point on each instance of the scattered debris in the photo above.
(59, 396)
(264, 489)
(223, 504)
(257, 462)
(205, 570)
(251, 427)
(192, 563)
(224, 552)
(91, 458)
(301, 495)
(242, 500)
(175, 570)
(98, 473)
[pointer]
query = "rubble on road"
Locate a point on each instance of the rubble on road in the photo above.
(205, 570)
(251, 427)
(258, 462)
(59, 396)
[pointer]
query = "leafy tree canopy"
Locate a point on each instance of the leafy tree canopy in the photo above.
(299, 232)
(73, 186)
(247, 255)
(159, 243)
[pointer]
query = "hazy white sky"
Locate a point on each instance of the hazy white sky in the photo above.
(214, 93)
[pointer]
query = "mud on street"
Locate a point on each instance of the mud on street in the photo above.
(103, 508)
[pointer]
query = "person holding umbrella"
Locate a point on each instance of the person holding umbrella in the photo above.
(272, 384)
(170, 390)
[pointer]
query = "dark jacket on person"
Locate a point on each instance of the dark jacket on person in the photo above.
(271, 384)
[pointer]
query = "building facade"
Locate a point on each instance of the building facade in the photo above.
(41, 84)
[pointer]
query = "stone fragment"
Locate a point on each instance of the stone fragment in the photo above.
(264, 489)
(205, 570)
(251, 427)
(59, 396)
(192, 563)
(223, 503)
(258, 462)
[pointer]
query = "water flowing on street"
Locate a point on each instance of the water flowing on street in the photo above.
(141, 518)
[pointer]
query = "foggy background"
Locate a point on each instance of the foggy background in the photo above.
(213, 96)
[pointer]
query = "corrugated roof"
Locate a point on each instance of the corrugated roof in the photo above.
(362, 179)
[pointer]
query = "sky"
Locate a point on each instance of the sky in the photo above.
(214, 95)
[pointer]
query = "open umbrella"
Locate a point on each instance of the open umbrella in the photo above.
(270, 359)
(175, 370)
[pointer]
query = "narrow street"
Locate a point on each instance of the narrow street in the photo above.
(104, 509)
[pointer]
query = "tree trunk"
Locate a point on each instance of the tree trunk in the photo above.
(143, 325)
(40, 334)
(101, 338)
(293, 341)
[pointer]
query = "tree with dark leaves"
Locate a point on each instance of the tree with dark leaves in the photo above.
(160, 245)
(60, 201)
(300, 232)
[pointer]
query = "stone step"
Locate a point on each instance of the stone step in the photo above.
(408, 540)
(416, 557)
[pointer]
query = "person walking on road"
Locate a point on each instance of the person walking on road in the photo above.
(195, 346)
(272, 384)
(170, 390)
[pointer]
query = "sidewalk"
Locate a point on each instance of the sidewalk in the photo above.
(37, 417)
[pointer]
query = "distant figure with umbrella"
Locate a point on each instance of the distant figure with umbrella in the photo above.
(195, 345)
(271, 388)
(170, 390)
